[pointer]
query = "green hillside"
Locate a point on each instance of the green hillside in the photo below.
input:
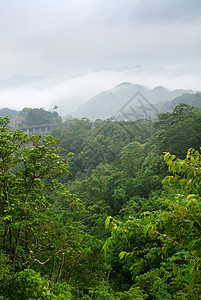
(118, 219)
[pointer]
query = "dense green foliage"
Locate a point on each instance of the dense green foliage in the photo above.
(39, 116)
(53, 240)
(191, 99)
(7, 112)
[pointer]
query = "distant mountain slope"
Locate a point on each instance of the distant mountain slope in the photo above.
(127, 101)
(191, 99)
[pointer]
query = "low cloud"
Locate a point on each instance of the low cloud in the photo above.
(42, 37)
(74, 37)
(70, 92)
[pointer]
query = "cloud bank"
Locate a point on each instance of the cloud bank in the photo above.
(62, 39)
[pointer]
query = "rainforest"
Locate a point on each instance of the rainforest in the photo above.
(103, 210)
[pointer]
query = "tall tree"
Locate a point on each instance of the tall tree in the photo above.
(176, 229)
(39, 116)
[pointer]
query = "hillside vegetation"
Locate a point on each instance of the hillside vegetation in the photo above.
(102, 209)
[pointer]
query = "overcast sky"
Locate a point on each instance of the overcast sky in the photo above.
(64, 37)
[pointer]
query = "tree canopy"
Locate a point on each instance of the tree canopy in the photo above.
(54, 204)
(39, 116)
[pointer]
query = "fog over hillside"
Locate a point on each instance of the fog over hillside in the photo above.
(128, 101)
(67, 53)
(71, 91)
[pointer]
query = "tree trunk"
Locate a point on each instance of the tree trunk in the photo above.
(60, 269)
(15, 248)
(73, 268)
(52, 271)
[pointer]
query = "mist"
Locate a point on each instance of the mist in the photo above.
(80, 48)
(69, 92)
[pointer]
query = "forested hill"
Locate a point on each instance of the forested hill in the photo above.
(109, 103)
(118, 220)
(125, 102)
(191, 99)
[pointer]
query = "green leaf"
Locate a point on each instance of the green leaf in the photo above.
(191, 244)
(191, 269)
(188, 277)
(122, 254)
(146, 228)
(108, 221)
(198, 204)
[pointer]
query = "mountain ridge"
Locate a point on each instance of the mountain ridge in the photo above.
(109, 103)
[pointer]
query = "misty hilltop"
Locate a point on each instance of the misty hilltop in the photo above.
(70, 91)
(128, 101)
